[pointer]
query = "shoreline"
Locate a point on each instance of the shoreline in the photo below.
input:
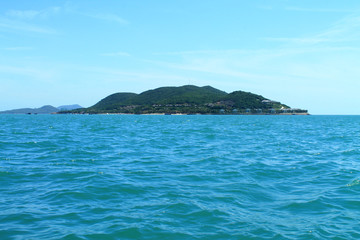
(186, 114)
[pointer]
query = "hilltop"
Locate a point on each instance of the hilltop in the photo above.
(188, 99)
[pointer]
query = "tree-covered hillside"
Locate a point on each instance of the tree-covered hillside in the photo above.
(113, 101)
(186, 99)
(178, 95)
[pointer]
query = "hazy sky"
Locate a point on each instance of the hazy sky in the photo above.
(305, 53)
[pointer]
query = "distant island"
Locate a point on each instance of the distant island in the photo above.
(187, 99)
(69, 107)
(47, 109)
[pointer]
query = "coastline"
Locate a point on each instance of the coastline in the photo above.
(186, 114)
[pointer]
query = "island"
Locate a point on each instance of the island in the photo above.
(47, 109)
(187, 100)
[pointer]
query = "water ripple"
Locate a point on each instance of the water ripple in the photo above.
(179, 177)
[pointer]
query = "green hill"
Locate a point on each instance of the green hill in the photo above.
(246, 100)
(178, 95)
(113, 101)
(187, 99)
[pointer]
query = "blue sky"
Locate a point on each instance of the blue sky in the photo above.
(305, 54)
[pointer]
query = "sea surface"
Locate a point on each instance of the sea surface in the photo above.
(179, 177)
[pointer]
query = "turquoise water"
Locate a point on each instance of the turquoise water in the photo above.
(179, 177)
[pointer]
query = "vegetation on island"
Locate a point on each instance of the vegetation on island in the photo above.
(187, 99)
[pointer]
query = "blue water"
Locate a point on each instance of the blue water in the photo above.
(179, 177)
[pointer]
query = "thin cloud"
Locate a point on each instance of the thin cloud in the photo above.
(265, 7)
(202, 52)
(71, 7)
(211, 66)
(7, 24)
(31, 14)
(300, 9)
(18, 48)
(343, 31)
(268, 64)
(114, 54)
(139, 75)
(304, 40)
(112, 18)
(107, 17)
(35, 73)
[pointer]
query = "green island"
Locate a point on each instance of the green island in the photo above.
(187, 99)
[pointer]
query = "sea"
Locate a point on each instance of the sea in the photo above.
(179, 177)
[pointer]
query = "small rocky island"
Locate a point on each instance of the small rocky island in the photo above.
(188, 99)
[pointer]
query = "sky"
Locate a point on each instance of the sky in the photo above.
(305, 54)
